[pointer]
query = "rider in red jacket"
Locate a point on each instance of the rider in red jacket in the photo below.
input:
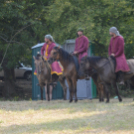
(116, 49)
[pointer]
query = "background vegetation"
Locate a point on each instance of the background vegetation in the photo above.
(24, 23)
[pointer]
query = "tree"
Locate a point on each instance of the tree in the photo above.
(96, 17)
(20, 22)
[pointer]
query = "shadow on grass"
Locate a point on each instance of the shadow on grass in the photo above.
(83, 124)
(60, 125)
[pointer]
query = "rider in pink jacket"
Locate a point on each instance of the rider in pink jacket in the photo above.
(81, 45)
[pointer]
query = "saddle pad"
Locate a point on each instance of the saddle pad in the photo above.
(76, 63)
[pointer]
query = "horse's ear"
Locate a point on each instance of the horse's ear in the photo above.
(58, 47)
(34, 57)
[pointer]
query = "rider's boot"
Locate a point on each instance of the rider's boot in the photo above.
(121, 78)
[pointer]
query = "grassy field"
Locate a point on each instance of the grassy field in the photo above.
(60, 117)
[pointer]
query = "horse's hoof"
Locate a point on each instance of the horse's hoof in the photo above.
(70, 101)
(76, 100)
(107, 101)
(120, 100)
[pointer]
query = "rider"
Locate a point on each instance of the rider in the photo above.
(56, 69)
(116, 50)
(46, 50)
(81, 45)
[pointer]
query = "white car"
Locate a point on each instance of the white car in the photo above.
(21, 71)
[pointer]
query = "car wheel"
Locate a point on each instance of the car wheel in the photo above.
(28, 76)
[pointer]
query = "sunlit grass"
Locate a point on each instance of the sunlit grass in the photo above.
(59, 117)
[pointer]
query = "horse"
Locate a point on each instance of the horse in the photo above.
(105, 70)
(45, 78)
(70, 64)
(95, 76)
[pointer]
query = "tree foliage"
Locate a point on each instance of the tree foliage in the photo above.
(23, 23)
(96, 17)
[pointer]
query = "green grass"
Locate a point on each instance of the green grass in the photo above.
(61, 117)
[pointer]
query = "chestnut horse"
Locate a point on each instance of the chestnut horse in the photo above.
(68, 62)
(45, 78)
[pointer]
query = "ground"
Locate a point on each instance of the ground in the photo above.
(59, 117)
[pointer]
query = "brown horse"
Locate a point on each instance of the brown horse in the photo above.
(95, 76)
(105, 70)
(70, 65)
(45, 78)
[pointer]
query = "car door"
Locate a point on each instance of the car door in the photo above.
(19, 71)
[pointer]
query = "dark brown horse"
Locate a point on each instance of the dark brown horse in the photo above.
(45, 78)
(68, 62)
(83, 71)
(106, 72)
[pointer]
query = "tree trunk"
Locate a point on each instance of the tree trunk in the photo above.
(9, 83)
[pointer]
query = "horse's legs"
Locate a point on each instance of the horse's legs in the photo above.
(98, 89)
(50, 93)
(102, 92)
(70, 89)
(74, 83)
(117, 92)
(107, 92)
(62, 82)
(41, 91)
(46, 93)
(132, 83)
(48, 86)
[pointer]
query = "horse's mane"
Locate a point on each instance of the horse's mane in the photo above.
(96, 58)
(65, 55)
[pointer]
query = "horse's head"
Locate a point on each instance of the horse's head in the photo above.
(54, 56)
(38, 63)
(84, 67)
